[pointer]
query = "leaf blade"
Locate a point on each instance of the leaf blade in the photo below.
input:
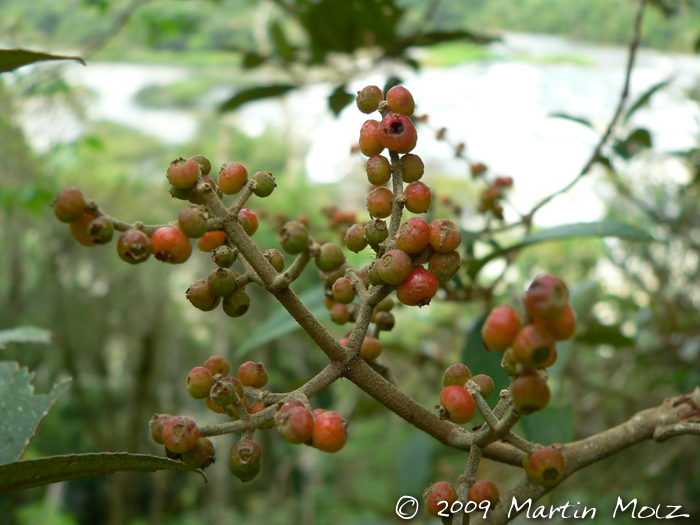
(24, 334)
(253, 94)
(12, 59)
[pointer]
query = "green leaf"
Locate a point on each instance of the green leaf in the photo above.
(24, 334)
(26, 474)
(339, 99)
(281, 323)
(551, 425)
(595, 333)
(644, 99)
(20, 410)
(601, 229)
(481, 361)
(282, 47)
(413, 466)
(256, 93)
(11, 59)
(580, 120)
(437, 37)
(252, 60)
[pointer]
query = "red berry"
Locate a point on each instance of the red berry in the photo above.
(295, 423)
(400, 100)
(444, 266)
(444, 236)
(180, 434)
(413, 167)
(545, 466)
(192, 222)
(265, 183)
(355, 238)
(330, 431)
(418, 289)
(561, 327)
(436, 494)
(218, 365)
(201, 296)
(484, 490)
(69, 205)
(183, 173)
(343, 291)
(369, 139)
(79, 229)
(500, 328)
(134, 247)
(413, 235)
(378, 170)
(394, 267)
(397, 133)
(379, 203)
(293, 237)
(249, 221)
(530, 393)
(252, 374)
(155, 426)
(232, 178)
(534, 347)
(369, 98)
(546, 297)
(201, 455)
(458, 404)
(339, 313)
(199, 382)
(418, 197)
(371, 348)
(245, 461)
(210, 241)
(456, 374)
(171, 245)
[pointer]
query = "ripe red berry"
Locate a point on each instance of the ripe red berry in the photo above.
(330, 257)
(252, 374)
(418, 197)
(546, 297)
(444, 266)
(369, 139)
(534, 347)
(545, 467)
(500, 328)
(293, 237)
(69, 205)
(458, 404)
(232, 178)
(444, 236)
(379, 203)
(295, 423)
(456, 374)
(400, 100)
(245, 461)
(376, 231)
(369, 98)
(355, 238)
(183, 173)
(201, 455)
(418, 289)
(484, 490)
(330, 431)
(210, 241)
(530, 393)
(413, 235)
(249, 221)
(236, 304)
(378, 170)
(397, 133)
(436, 494)
(101, 230)
(265, 183)
(485, 383)
(134, 247)
(79, 229)
(201, 296)
(394, 267)
(171, 245)
(371, 348)
(218, 365)
(192, 222)
(413, 167)
(561, 327)
(180, 434)
(343, 291)
(222, 282)
(199, 382)
(155, 426)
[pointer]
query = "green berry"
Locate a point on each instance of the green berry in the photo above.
(204, 163)
(236, 304)
(485, 383)
(413, 167)
(385, 305)
(222, 282)
(265, 183)
(101, 230)
(378, 170)
(276, 259)
(385, 321)
(456, 374)
(330, 257)
(155, 426)
(355, 238)
(293, 237)
(201, 296)
(224, 391)
(369, 98)
(183, 173)
(343, 290)
(223, 256)
(199, 382)
(192, 222)
(376, 231)
(245, 461)
(444, 266)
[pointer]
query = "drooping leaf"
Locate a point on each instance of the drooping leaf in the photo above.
(637, 140)
(256, 93)
(552, 425)
(339, 99)
(21, 410)
(24, 334)
(11, 59)
(601, 229)
(580, 120)
(596, 333)
(413, 466)
(281, 323)
(26, 474)
(643, 100)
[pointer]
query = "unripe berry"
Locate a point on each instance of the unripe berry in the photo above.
(444, 236)
(210, 241)
(458, 404)
(202, 297)
(385, 305)
(484, 490)
(509, 365)
(199, 382)
(530, 393)
(534, 348)
(373, 274)
(79, 229)
(500, 328)
(295, 423)
(218, 365)
(265, 183)
(485, 383)
(182, 194)
(134, 247)
(183, 173)
(385, 321)
(400, 100)
(369, 98)
(330, 431)
(155, 427)
(201, 455)
(545, 467)
(418, 289)
(435, 494)
(276, 259)
(222, 282)
(394, 267)
(376, 231)
(214, 408)
(355, 238)
(224, 256)
(418, 197)
(101, 230)
(245, 460)
(413, 235)
(339, 313)
(252, 374)
(196, 197)
(456, 374)
(561, 327)
(223, 392)
(369, 139)
(258, 406)
(180, 434)
(204, 163)
(546, 297)
(192, 222)
(343, 291)
(170, 245)
(232, 178)
(378, 170)
(444, 266)
(379, 203)
(249, 221)
(293, 237)
(330, 257)
(371, 348)
(236, 304)
(397, 133)
(413, 167)
(69, 205)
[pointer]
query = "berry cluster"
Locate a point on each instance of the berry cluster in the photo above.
(490, 197)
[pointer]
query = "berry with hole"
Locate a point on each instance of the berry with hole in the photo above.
(79, 229)
(101, 230)
(236, 304)
(171, 245)
(180, 434)
(534, 347)
(134, 247)
(397, 133)
(246, 460)
(545, 467)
